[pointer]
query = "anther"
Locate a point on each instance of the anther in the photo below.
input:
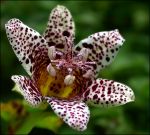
(69, 79)
(69, 70)
(52, 52)
(84, 52)
(51, 70)
(88, 74)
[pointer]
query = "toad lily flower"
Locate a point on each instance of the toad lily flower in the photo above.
(65, 75)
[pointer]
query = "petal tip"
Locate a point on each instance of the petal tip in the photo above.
(12, 27)
(60, 6)
(81, 129)
(12, 22)
(14, 78)
(132, 97)
(120, 39)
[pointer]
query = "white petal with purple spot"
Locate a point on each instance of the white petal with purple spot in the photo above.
(75, 113)
(107, 93)
(27, 44)
(28, 89)
(60, 25)
(103, 47)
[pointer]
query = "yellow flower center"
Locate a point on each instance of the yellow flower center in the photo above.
(55, 86)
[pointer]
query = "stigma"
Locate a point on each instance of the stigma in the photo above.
(70, 65)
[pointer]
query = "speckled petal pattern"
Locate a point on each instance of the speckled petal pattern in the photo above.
(27, 44)
(103, 47)
(107, 93)
(75, 113)
(60, 25)
(28, 89)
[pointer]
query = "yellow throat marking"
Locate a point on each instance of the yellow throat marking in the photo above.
(54, 86)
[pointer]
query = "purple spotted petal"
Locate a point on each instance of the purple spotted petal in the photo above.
(60, 25)
(103, 47)
(107, 93)
(75, 113)
(27, 44)
(28, 89)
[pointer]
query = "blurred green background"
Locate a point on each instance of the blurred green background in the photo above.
(131, 67)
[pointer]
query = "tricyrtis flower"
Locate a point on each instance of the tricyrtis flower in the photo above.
(65, 75)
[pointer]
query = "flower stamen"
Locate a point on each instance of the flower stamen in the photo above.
(52, 52)
(51, 70)
(83, 54)
(89, 74)
(69, 79)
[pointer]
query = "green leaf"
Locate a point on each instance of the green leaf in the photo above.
(30, 121)
(51, 122)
